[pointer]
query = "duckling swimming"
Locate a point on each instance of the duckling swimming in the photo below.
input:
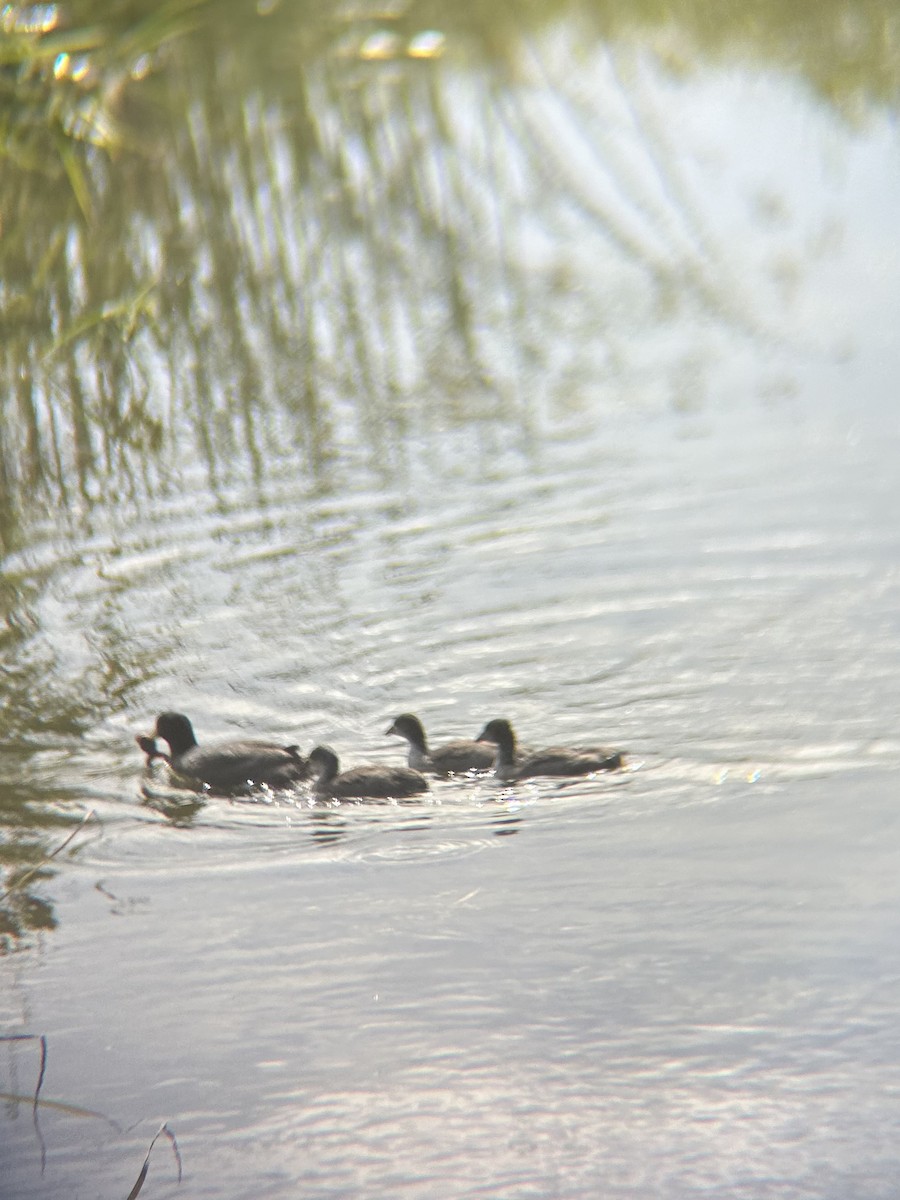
(451, 758)
(225, 767)
(372, 783)
(555, 760)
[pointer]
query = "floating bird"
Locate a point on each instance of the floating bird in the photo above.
(451, 758)
(374, 783)
(555, 760)
(225, 767)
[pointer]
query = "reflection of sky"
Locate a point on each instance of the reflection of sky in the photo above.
(803, 198)
(751, 186)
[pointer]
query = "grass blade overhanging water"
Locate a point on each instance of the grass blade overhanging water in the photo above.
(142, 1174)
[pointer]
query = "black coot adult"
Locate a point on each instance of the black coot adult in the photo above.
(233, 766)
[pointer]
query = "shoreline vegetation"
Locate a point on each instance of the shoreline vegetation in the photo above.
(220, 221)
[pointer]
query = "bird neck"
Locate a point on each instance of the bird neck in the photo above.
(506, 748)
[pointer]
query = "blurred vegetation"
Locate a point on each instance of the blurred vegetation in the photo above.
(222, 223)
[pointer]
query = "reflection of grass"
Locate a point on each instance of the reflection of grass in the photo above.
(22, 912)
(219, 226)
(24, 862)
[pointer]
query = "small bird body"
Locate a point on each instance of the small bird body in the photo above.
(452, 758)
(554, 760)
(225, 767)
(362, 783)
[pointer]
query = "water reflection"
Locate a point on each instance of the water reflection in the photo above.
(456, 817)
(178, 809)
(26, 863)
(224, 259)
(22, 912)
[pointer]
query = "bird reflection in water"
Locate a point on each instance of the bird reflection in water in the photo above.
(327, 825)
(180, 810)
(507, 824)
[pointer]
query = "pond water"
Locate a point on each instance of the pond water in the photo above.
(677, 533)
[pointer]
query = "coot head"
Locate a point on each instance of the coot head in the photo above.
(323, 762)
(499, 731)
(176, 729)
(408, 726)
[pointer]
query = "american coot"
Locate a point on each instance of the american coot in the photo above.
(374, 783)
(453, 757)
(555, 760)
(227, 766)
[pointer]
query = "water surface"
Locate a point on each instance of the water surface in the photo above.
(668, 523)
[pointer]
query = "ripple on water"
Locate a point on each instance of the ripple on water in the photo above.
(171, 830)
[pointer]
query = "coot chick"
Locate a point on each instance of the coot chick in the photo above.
(224, 767)
(372, 783)
(448, 759)
(555, 760)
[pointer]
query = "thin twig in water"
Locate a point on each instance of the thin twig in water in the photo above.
(23, 879)
(31, 1037)
(42, 1038)
(142, 1174)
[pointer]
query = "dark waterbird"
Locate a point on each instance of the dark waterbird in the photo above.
(225, 767)
(452, 757)
(362, 783)
(555, 760)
